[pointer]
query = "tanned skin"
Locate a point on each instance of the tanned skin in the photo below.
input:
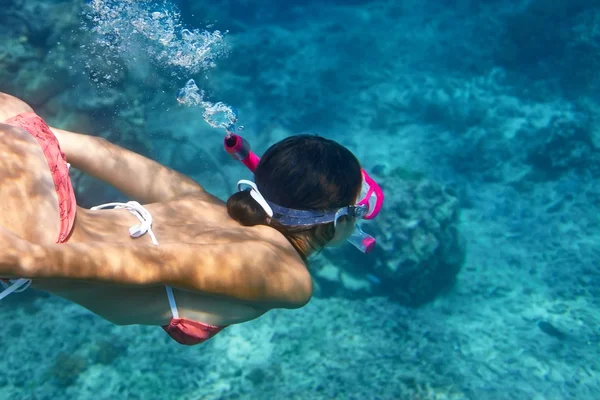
(222, 273)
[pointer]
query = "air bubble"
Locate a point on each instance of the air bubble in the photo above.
(125, 26)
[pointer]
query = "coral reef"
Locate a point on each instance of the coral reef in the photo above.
(66, 369)
(420, 249)
(561, 146)
(494, 103)
(548, 42)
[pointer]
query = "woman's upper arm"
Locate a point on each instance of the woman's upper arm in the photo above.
(291, 282)
(250, 271)
(253, 271)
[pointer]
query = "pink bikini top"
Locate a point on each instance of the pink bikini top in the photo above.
(57, 162)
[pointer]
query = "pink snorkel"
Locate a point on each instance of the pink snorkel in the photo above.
(239, 149)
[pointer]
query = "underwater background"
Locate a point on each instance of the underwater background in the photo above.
(480, 120)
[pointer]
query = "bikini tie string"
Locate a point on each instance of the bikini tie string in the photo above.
(145, 225)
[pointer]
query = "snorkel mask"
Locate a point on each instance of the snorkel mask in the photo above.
(368, 206)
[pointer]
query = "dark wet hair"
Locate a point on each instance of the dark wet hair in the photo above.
(302, 172)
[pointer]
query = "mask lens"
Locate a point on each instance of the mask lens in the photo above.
(371, 204)
(369, 199)
(371, 196)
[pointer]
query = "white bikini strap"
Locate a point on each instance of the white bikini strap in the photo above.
(142, 215)
(139, 230)
(172, 303)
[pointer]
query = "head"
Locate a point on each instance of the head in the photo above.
(303, 172)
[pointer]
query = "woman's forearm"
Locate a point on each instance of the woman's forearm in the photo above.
(78, 148)
(134, 175)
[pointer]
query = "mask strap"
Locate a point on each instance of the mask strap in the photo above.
(256, 195)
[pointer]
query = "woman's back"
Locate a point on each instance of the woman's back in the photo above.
(174, 221)
(30, 209)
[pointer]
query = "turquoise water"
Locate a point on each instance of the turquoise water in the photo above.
(480, 121)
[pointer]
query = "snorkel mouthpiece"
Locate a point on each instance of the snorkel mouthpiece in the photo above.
(361, 240)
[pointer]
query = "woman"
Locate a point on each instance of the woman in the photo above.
(220, 264)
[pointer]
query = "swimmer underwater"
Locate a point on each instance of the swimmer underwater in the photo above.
(176, 257)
